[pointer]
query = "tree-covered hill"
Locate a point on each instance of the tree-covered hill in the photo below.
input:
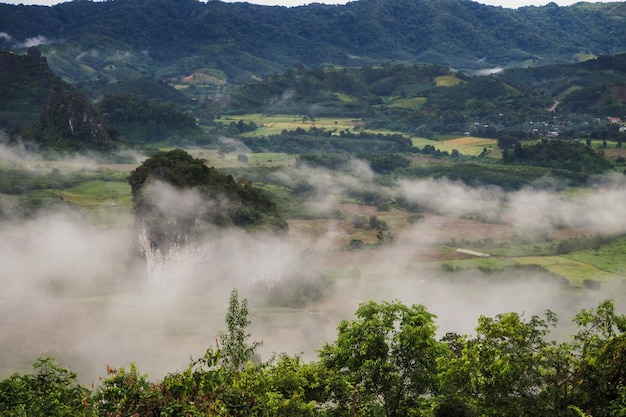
(164, 38)
(430, 98)
(223, 200)
(25, 80)
(143, 122)
(71, 123)
(39, 108)
(414, 99)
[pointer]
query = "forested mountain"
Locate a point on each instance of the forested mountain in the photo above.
(24, 84)
(122, 39)
(379, 60)
(414, 99)
(39, 108)
(408, 98)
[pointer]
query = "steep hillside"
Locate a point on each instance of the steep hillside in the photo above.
(71, 123)
(25, 80)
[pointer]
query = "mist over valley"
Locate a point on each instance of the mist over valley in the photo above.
(387, 208)
(79, 290)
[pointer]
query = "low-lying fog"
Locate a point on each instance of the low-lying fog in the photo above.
(82, 293)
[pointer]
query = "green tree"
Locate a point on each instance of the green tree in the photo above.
(505, 369)
(234, 348)
(601, 348)
(384, 360)
(50, 392)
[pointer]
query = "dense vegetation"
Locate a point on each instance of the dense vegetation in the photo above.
(245, 40)
(142, 122)
(319, 140)
(571, 156)
(71, 123)
(44, 112)
(387, 361)
(423, 100)
(312, 62)
(24, 84)
(222, 200)
(427, 100)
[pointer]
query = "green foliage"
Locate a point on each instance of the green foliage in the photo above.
(283, 386)
(183, 36)
(571, 156)
(244, 42)
(126, 393)
(602, 346)
(234, 350)
(321, 141)
(505, 363)
(50, 392)
(580, 243)
(148, 88)
(143, 122)
(385, 361)
(384, 164)
(386, 358)
(511, 177)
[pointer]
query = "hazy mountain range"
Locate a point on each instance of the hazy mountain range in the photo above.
(234, 42)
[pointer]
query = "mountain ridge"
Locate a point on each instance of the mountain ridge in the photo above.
(163, 38)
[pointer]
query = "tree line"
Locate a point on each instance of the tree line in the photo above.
(386, 361)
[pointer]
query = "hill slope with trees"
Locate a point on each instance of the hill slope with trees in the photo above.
(166, 38)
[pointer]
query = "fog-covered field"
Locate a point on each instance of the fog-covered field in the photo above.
(92, 293)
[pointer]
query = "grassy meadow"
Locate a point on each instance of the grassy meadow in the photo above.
(467, 145)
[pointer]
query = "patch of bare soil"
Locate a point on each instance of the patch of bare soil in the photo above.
(392, 254)
(412, 242)
(613, 153)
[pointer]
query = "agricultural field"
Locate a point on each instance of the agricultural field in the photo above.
(447, 81)
(275, 124)
(466, 145)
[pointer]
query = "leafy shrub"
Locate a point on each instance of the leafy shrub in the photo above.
(51, 392)
(126, 393)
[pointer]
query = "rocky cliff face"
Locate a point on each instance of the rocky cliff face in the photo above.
(70, 122)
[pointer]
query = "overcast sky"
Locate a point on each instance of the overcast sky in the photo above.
(503, 3)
